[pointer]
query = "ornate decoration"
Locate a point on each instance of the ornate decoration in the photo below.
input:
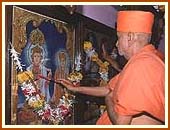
(20, 21)
(19, 39)
(60, 27)
(14, 96)
(75, 77)
(37, 37)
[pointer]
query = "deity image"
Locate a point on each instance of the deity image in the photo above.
(90, 67)
(62, 71)
(38, 68)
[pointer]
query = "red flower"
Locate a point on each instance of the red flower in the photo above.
(47, 114)
(25, 92)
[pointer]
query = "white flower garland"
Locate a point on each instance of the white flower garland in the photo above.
(35, 100)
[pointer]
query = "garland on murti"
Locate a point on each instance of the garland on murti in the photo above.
(36, 101)
(92, 54)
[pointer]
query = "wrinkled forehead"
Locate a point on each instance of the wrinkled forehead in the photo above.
(121, 33)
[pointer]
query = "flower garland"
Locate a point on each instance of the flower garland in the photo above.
(75, 77)
(44, 111)
(15, 57)
(90, 52)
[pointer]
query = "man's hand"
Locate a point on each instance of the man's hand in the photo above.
(105, 54)
(113, 63)
(66, 83)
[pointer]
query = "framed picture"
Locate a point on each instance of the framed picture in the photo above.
(41, 45)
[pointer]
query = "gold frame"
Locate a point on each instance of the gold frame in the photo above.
(20, 19)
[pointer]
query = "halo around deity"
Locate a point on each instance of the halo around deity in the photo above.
(36, 43)
(36, 48)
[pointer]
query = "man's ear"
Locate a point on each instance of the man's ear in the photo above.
(131, 38)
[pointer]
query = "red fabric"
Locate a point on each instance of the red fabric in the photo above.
(135, 21)
(140, 86)
(104, 119)
(112, 83)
